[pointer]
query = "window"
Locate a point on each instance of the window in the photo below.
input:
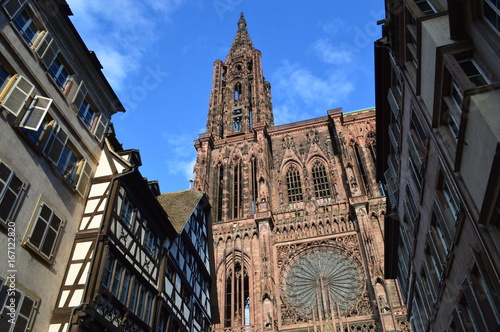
(237, 119)
(59, 150)
(26, 27)
(425, 7)
(237, 293)
(96, 122)
(4, 76)
(237, 191)
(220, 186)
(46, 49)
(294, 186)
(473, 308)
(128, 212)
(35, 113)
(320, 179)
(125, 287)
(45, 231)
(416, 146)
(491, 11)
(117, 277)
(23, 313)
(11, 187)
(237, 91)
(12, 7)
(147, 312)
(453, 95)
(59, 73)
(18, 94)
(134, 296)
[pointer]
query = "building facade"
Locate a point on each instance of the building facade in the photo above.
(298, 216)
(438, 134)
(55, 107)
(89, 244)
(140, 260)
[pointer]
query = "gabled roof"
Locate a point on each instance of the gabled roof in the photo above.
(179, 205)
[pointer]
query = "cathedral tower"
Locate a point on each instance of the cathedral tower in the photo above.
(297, 213)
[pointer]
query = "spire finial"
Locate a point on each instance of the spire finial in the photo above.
(242, 24)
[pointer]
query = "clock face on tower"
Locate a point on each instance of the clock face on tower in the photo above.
(320, 281)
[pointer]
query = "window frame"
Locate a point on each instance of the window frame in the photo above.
(82, 103)
(321, 183)
(29, 21)
(6, 186)
(17, 92)
(496, 10)
(59, 71)
(294, 183)
(20, 298)
(36, 220)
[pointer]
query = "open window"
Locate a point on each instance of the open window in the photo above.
(17, 94)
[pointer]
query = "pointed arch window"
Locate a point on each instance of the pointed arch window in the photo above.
(254, 183)
(220, 182)
(320, 180)
(361, 165)
(237, 191)
(293, 183)
(237, 294)
(237, 91)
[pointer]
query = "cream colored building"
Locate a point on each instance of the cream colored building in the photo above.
(438, 134)
(55, 107)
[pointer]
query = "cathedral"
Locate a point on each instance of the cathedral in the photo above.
(297, 212)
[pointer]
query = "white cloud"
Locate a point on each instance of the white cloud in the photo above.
(120, 31)
(298, 93)
(182, 155)
(333, 27)
(331, 54)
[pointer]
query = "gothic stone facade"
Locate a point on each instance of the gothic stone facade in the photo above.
(297, 212)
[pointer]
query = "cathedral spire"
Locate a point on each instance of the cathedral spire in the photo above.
(242, 40)
(240, 95)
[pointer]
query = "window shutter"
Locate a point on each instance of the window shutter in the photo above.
(84, 179)
(100, 129)
(473, 305)
(458, 320)
(35, 113)
(12, 7)
(56, 144)
(80, 95)
(16, 98)
(25, 313)
(47, 49)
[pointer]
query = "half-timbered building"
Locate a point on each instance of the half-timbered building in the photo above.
(131, 268)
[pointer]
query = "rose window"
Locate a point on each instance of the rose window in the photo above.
(322, 281)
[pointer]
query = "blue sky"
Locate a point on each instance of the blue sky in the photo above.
(159, 55)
